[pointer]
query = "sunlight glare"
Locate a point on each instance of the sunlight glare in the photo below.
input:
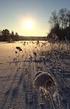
(27, 24)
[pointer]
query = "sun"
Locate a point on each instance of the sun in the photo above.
(27, 24)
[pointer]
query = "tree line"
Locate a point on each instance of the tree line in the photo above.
(5, 35)
(60, 25)
(60, 28)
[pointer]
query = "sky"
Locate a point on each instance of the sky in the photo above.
(29, 17)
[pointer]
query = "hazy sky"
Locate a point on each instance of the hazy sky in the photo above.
(29, 17)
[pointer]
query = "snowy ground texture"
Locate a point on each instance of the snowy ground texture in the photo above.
(20, 62)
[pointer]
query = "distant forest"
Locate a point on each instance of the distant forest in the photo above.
(5, 35)
(60, 29)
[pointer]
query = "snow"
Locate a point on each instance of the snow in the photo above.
(18, 68)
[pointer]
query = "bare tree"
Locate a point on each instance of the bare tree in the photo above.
(54, 18)
(62, 17)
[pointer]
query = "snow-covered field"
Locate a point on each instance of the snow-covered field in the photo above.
(19, 63)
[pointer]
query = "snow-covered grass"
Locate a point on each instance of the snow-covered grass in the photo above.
(24, 59)
(13, 55)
